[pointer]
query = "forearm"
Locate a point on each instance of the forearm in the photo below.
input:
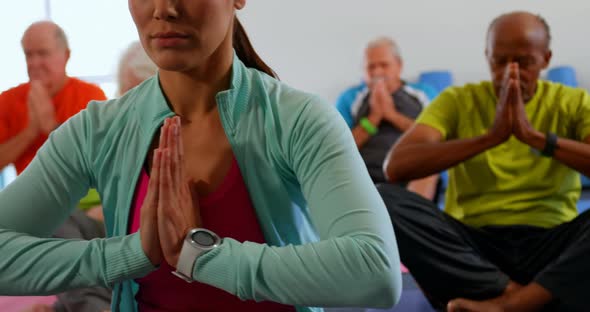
(400, 121)
(12, 149)
(418, 160)
(38, 266)
(573, 154)
(358, 243)
(360, 135)
(361, 273)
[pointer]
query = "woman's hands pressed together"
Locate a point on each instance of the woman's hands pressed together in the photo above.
(170, 208)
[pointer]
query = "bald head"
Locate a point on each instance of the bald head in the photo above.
(48, 29)
(520, 25)
(522, 38)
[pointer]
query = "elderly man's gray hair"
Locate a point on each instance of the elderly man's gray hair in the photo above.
(385, 42)
(61, 36)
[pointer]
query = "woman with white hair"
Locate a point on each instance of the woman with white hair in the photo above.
(134, 67)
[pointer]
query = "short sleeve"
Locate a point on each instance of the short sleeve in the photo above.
(5, 131)
(441, 114)
(345, 102)
(98, 94)
(582, 124)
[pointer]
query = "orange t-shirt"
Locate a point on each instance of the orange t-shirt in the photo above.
(14, 118)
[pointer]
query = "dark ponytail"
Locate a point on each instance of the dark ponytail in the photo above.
(246, 52)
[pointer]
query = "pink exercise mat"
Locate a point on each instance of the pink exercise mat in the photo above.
(404, 269)
(18, 304)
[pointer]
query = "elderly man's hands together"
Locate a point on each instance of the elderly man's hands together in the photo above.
(41, 109)
(381, 103)
(511, 118)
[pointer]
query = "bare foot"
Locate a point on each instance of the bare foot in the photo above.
(532, 297)
(491, 305)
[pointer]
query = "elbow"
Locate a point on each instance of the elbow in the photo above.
(393, 168)
(388, 291)
(393, 172)
(384, 286)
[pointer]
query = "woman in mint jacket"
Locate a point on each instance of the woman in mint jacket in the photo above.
(327, 239)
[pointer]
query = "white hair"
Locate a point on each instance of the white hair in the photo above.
(137, 61)
(385, 42)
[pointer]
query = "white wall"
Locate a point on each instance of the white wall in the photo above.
(13, 23)
(316, 45)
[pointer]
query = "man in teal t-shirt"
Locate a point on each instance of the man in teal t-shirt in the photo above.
(510, 236)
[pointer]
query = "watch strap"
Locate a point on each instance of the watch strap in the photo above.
(190, 252)
(550, 144)
(186, 261)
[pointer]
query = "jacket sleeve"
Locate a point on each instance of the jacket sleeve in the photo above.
(355, 263)
(37, 203)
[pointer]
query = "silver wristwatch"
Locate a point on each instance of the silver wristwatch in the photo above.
(197, 242)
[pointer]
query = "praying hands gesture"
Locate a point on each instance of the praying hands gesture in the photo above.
(170, 208)
(41, 109)
(511, 118)
(382, 107)
(380, 102)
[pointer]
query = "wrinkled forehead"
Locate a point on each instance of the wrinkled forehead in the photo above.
(48, 43)
(513, 51)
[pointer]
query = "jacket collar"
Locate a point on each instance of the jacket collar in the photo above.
(152, 107)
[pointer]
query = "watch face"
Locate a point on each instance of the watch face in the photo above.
(203, 238)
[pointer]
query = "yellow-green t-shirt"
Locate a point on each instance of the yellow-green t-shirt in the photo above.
(92, 199)
(511, 183)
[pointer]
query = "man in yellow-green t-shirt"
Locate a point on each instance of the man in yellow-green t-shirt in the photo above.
(513, 147)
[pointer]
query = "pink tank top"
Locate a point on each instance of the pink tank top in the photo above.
(228, 212)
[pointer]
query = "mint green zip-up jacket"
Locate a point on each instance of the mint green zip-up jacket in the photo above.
(329, 238)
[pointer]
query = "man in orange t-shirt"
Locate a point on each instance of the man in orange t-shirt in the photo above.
(30, 111)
